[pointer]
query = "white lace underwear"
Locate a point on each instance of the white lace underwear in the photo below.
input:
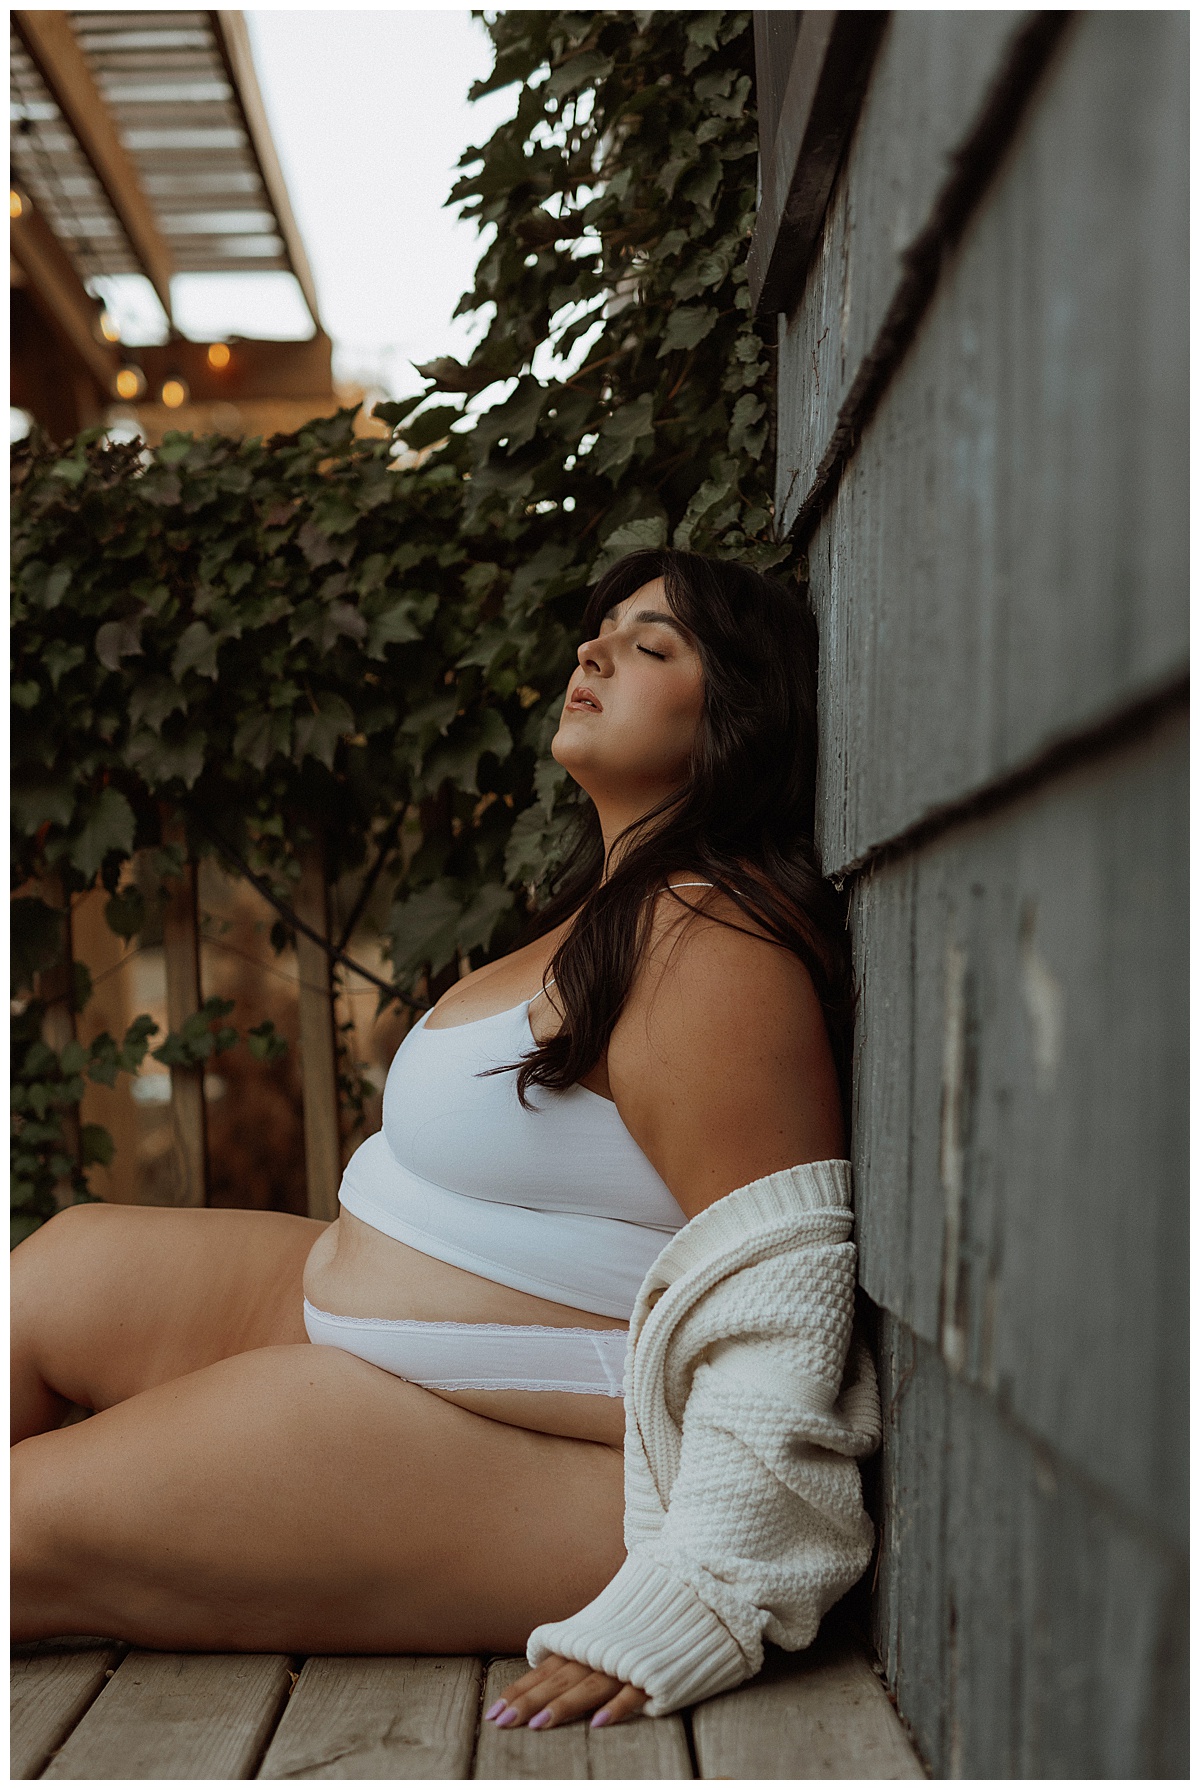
(479, 1357)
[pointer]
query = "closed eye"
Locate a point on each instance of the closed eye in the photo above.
(650, 650)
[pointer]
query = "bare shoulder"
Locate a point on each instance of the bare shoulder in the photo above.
(721, 1064)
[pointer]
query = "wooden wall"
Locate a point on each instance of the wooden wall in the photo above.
(983, 444)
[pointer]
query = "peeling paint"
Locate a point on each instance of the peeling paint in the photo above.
(1043, 998)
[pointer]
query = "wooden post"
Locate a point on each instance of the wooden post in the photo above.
(318, 1055)
(181, 950)
(55, 987)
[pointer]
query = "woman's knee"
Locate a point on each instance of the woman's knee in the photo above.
(47, 1268)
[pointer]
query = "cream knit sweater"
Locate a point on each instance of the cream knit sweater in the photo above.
(748, 1401)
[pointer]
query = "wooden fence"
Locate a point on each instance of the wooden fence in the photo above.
(317, 1041)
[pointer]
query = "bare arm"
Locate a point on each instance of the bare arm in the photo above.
(721, 1065)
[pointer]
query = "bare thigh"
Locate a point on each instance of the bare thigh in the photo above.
(108, 1301)
(301, 1500)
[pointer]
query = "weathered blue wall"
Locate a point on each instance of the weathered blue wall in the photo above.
(983, 442)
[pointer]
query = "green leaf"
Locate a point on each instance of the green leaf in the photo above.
(622, 432)
(38, 796)
(116, 641)
(37, 935)
(478, 923)
(316, 546)
(95, 1145)
(59, 658)
(431, 425)
(687, 326)
(136, 1042)
(263, 735)
(197, 651)
(151, 701)
(646, 531)
(535, 846)
(125, 912)
(584, 70)
(162, 761)
(458, 758)
(448, 375)
(56, 587)
(394, 413)
(71, 472)
(326, 626)
(392, 627)
(81, 985)
(109, 827)
(265, 1044)
(317, 735)
(424, 928)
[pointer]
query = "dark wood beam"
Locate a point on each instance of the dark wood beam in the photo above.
(56, 54)
(55, 287)
(46, 378)
(234, 41)
(256, 370)
(825, 82)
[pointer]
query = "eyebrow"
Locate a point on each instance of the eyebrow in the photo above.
(656, 615)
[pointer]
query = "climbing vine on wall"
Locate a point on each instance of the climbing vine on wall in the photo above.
(296, 640)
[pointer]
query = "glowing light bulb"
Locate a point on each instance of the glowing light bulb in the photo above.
(129, 383)
(16, 204)
(174, 393)
(219, 356)
(108, 328)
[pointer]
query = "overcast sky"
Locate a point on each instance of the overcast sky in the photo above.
(369, 114)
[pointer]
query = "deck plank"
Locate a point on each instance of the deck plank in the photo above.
(820, 1714)
(178, 1715)
(50, 1686)
(643, 1748)
(366, 1717)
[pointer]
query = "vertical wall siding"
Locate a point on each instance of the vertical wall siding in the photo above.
(993, 498)
(1022, 1029)
(1005, 557)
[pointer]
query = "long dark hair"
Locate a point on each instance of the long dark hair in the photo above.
(742, 821)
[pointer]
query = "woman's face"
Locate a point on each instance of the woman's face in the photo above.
(634, 704)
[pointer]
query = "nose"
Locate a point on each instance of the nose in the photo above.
(593, 657)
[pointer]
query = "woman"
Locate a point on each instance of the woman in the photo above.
(444, 1471)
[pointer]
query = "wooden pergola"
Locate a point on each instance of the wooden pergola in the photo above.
(140, 145)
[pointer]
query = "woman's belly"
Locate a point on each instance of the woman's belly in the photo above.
(358, 1272)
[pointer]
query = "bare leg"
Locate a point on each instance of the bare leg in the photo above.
(299, 1499)
(107, 1301)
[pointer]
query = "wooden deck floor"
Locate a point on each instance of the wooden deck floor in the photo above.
(94, 1709)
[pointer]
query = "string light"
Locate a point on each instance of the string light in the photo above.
(108, 328)
(219, 356)
(174, 393)
(129, 383)
(16, 204)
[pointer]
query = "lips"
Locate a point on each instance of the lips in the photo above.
(583, 698)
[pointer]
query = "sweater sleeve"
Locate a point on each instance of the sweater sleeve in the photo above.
(764, 1527)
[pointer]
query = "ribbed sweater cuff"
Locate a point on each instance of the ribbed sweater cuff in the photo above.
(650, 1629)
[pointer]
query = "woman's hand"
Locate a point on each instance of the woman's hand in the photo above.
(560, 1690)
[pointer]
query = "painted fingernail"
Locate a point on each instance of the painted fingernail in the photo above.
(542, 1720)
(494, 1711)
(602, 1718)
(507, 1719)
